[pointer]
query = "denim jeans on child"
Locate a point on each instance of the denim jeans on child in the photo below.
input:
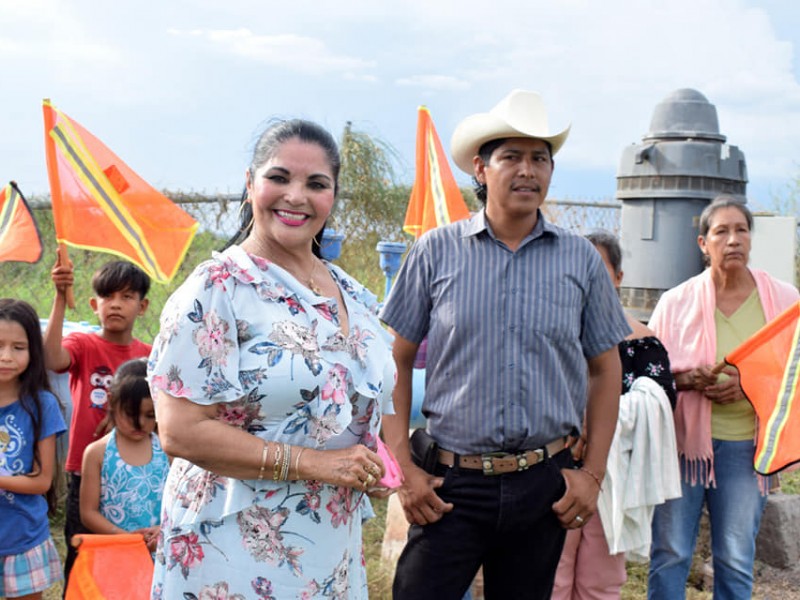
(735, 506)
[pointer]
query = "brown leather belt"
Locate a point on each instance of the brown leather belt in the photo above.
(497, 463)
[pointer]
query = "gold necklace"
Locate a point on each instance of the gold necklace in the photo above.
(312, 285)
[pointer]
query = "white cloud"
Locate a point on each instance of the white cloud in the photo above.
(366, 78)
(302, 53)
(600, 66)
(605, 68)
(436, 82)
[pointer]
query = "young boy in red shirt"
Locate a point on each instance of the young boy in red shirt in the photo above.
(120, 290)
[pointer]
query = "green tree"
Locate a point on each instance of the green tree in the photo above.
(371, 206)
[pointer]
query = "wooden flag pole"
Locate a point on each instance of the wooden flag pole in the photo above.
(63, 259)
(718, 367)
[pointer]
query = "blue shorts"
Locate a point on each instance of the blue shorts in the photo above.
(33, 571)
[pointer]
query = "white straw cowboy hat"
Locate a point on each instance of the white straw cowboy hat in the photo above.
(520, 114)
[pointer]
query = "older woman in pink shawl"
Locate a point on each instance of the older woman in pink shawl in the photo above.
(699, 322)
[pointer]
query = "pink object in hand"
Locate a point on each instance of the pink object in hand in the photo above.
(394, 474)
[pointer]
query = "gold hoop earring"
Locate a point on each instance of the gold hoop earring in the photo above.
(242, 206)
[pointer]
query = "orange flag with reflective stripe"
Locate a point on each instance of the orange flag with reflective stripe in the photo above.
(19, 236)
(435, 198)
(99, 203)
(769, 373)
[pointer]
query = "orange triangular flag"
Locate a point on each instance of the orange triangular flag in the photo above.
(19, 236)
(99, 203)
(769, 373)
(110, 567)
(435, 198)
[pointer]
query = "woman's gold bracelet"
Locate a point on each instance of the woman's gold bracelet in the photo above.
(264, 455)
(297, 463)
(276, 463)
(287, 461)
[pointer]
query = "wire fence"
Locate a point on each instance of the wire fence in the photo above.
(218, 219)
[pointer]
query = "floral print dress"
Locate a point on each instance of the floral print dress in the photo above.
(647, 357)
(244, 334)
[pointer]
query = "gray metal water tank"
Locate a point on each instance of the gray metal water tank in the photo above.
(664, 184)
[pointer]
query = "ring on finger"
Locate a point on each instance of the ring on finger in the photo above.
(369, 480)
(373, 470)
(579, 519)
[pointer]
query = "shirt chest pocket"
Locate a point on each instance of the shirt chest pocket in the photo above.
(554, 310)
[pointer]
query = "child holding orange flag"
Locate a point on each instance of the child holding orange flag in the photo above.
(120, 290)
(123, 473)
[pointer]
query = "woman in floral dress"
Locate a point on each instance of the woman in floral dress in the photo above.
(270, 374)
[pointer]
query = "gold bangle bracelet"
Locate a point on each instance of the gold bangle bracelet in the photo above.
(287, 461)
(297, 463)
(276, 463)
(264, 455)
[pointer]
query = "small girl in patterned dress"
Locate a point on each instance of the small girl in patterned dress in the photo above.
(124, 472)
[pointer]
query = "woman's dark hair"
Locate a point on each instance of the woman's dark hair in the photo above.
(128, 389)
(718, 203)
(267, 146)
(608, 242)
(485, 152)
(33, 380)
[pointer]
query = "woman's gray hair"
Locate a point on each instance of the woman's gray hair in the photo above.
(608, 242)
(718, 203)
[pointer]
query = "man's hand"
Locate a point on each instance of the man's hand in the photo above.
(579, 502)
(420, 502)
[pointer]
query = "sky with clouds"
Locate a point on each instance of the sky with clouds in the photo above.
(180, 89)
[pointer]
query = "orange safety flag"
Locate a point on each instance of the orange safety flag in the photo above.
(99, 203)
(435, 198)
(769, 373)
(110, 567)
(19, 235)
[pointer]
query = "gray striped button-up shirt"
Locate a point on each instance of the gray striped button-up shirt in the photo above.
(508, 332)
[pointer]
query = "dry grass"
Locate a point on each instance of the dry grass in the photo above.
(379, 573)
(57, 531)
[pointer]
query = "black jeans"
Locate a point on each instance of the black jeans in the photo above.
(72, 522)
(504, 522)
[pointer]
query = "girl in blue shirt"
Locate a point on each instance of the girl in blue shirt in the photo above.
(30, 420)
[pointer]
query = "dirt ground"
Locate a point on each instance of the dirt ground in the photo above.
(776, 584)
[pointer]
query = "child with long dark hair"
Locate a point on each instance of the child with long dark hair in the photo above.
(123, 473)
(30, 420)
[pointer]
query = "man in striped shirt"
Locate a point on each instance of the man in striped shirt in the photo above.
(522, 326)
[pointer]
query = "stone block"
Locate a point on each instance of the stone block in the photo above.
(778, 542)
